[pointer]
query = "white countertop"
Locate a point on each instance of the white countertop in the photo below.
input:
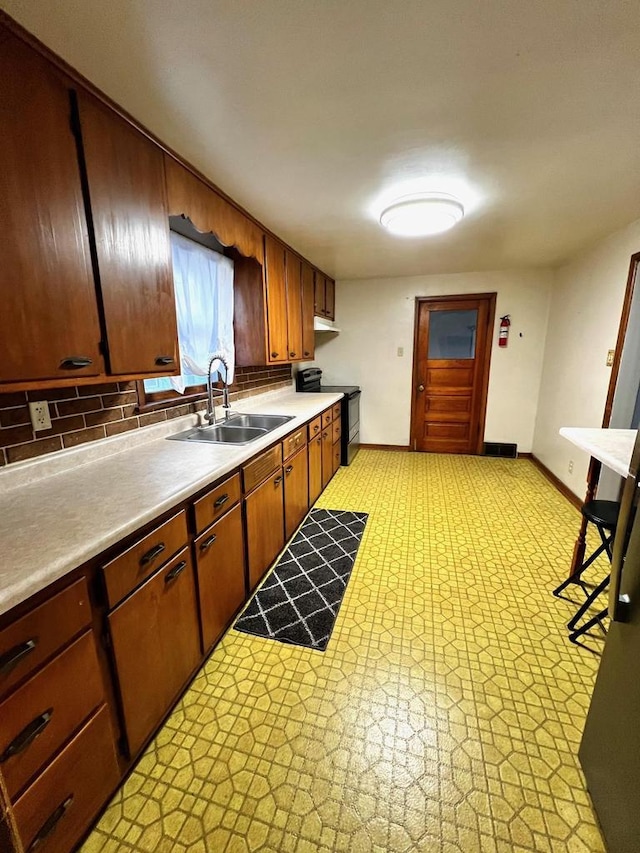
(60, 511)
(612, 447)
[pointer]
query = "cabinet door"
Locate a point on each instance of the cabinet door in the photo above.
(49, 324)
(294, 305)
(274, 254)
(327, 455)
(330, 299)
(264, 509)
(308, 298)
(125, 173)
(156, 645)
(335, 457)
(319, 291)
(296, 490)
(315, 469)
(221, 582)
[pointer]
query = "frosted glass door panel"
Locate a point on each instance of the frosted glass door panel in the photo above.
(452, 334)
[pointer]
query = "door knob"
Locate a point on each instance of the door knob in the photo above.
(420, 387)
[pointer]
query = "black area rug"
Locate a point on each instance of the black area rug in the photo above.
(299, 601)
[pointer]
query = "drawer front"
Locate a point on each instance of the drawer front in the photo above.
(294, 442)
(38, 635)
(337, 430)
(259, 469)
(37, 719)
(128, 570)
(216, 502)
(327, 417)
(314, 428)
(337, 408)
(63, 801)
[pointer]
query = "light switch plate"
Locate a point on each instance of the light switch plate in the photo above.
(610, 355)
(40, 418)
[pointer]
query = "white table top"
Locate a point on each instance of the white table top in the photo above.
(612, 447)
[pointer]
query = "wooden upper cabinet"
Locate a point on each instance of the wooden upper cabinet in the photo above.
(275, 277)
(49, 324)
(308, 345)
(210, 212)
(294, 305)
(329, 299)
(125, 175)
(319, 294)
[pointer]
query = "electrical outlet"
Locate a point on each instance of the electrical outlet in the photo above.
(571, 466)
(400, 352)
(610, 355)
(39, 413)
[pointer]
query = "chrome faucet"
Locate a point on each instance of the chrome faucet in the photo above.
(211, 412)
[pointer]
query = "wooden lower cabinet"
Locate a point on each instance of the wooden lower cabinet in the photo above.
(327, 455)
(221, 575)
(315, 469)
(155, 636)
(296, 490)
(335, 457)
(54, 813)
(264, 510)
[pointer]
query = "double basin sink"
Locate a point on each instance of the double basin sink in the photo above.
(237, 429)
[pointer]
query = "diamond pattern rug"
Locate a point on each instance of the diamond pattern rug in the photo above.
(299, 601)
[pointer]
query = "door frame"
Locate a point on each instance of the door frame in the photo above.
(490, 298)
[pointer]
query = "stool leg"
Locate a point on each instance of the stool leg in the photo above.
(571, 624)
(573, 636)
(574, 578)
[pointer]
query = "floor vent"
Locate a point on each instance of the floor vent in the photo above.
(496, 448)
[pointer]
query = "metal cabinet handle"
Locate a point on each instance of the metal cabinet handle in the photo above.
(27, 735)
(274, 355)
(292, 355)
(221, 501)
(50, 824)
(152, 553)
(288, 469)
(277, 481)
(316, 428)
(164, 359)
(208, 542)
(306, 352)
(420, 387)
(175, 571)
(15, 655)
(75, 362)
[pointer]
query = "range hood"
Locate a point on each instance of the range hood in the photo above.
(322, 325)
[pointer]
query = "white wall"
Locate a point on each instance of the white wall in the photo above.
(376, 317)
(584, 316)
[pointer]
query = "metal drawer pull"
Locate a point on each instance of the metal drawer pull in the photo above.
(208, 542)
(27, 735)
(306, 352)
(154, 552)
(274, 355)
(316, 428)
(164, 359)
(277, 481)
(50, 824)
(75, 362)
(292, 355)
(288, 469)
(175, 571)
(221, 501)
(15, 655)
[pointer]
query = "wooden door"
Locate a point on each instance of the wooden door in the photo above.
(156, 645)
(125, 173)
(327, 455)
(296, 490)
(49, 324)
(308, 298)
(319, 293)
(274, 259)
(315, 469)
(221, 580)
(264, 509)
(294, 305)
(330, 299)
(452, 350)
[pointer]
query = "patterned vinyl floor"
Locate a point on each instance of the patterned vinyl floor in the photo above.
(444, 716)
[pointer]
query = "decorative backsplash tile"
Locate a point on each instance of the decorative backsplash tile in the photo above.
(90, 412)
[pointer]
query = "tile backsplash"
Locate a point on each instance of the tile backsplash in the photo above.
(90, 412)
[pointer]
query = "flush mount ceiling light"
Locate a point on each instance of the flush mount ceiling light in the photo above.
(422, 215)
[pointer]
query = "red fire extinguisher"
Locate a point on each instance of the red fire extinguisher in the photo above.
(503, 337)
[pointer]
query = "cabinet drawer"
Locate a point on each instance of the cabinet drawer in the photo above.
(337, 430)
(216, 502)
(294, 442)
(314, 427)
(40, 717)
(327, 417)
(336, 409)
(259, 469)
(128, 570)
(38, 635)
(63, 801)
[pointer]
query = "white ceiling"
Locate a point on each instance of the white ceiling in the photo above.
(311, 112)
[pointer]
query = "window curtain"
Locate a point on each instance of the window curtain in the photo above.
(203, 282)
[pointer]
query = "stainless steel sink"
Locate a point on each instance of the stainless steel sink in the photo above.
(239, 429)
